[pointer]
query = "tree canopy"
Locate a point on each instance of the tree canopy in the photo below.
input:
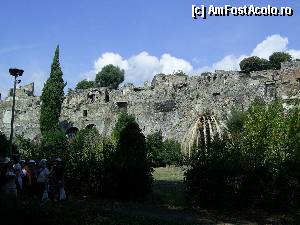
(277, 58)
(254, 63)
(110, 76)
(85, 84)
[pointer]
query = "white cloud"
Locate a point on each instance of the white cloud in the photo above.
(170, 64)
(141, 67)
(294, 53)
(110, 58)
(274, 43)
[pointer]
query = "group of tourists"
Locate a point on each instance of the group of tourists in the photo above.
(22, 178)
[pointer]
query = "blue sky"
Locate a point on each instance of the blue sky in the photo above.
(143, 37)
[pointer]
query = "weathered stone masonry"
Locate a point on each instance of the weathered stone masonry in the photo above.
(182, 107)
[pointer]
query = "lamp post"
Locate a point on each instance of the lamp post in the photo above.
(15, 73)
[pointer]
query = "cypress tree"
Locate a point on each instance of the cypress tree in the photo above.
(52, 97)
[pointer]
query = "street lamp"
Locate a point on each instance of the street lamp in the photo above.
(15, 73)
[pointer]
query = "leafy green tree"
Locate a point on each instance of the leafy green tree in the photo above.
(110, 76)
(254, 63)
(52, 97)
(172, 152)
(162, 153)
(279, 57)
(85, 84)
(155, 149)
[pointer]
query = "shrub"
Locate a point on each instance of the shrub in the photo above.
(155, 149)
(279, 57)
(172, 153)
(258, 164)
(162, 153)
(54, 143)
(254, 63)
(27, 148)
(4, 145)
(129, 175)
(85, 161)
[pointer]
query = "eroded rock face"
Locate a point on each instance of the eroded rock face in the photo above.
(172, 104)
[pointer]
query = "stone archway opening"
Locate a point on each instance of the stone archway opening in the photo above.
(71, 132)
(90, 126)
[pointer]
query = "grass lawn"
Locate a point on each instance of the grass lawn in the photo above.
(168, 187)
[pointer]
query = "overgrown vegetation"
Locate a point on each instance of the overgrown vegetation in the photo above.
(110, 76)
(256, 164)
(255, 63)
(163, 153)
(4, 145)
(85, 84)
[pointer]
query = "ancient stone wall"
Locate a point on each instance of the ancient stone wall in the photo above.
(175, 104)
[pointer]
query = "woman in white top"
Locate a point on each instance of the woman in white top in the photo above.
(42, 178)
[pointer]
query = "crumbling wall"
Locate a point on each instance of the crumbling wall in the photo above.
(172, 104)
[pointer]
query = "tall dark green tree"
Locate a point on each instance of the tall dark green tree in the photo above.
(52, 97)
(128, 176)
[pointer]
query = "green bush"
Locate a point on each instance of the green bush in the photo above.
(162, 153)
(254, 63)
(129, 174)
(279, 57)
(256, 164)
(4, 145)
(28, 149)
(54, 143)
(85, 161)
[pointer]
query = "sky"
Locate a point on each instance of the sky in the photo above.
(142, 37)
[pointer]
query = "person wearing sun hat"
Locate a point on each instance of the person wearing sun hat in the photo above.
(10, 187)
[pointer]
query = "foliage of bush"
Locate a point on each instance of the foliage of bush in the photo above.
(28, 149)
(4, 145)
(122, 122)
(128, 175)
(256, 164)
(110, 76)
(85, 161)
(85, 84)
(162, 153)
(254, 63)
(54, 144)
(277, 58)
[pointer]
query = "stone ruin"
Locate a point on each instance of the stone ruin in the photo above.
(190, 109)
